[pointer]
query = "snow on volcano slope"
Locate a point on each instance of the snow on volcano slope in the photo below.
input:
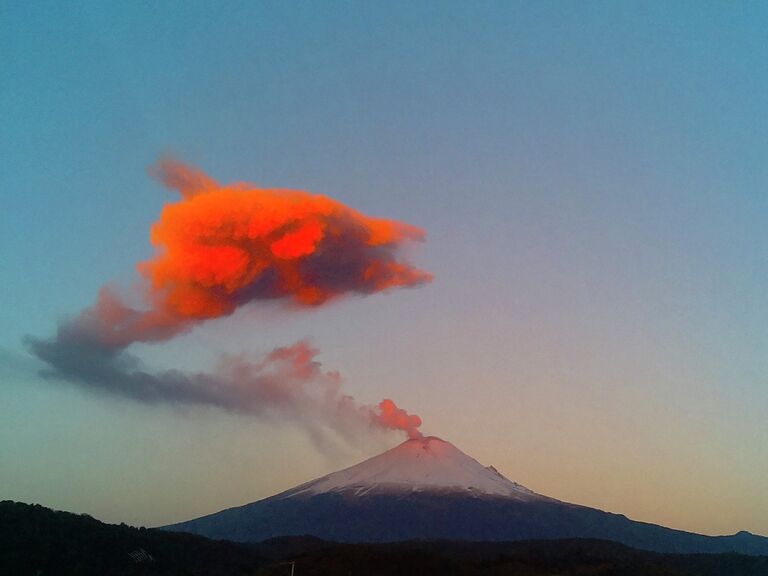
(422, 464)
(427, 489)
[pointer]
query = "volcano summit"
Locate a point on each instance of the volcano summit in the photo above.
(426, 488)
(418, 465)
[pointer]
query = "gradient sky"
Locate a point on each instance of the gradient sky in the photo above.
(592, 179)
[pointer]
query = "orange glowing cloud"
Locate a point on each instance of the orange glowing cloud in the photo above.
(393, 418)
(220, 247)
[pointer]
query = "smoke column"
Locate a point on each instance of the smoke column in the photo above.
(220, 248)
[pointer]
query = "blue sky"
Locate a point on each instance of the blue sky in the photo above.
(591, 177)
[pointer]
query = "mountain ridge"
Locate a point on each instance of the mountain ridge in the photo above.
(427, 489)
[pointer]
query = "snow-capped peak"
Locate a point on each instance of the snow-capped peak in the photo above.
(420, 464)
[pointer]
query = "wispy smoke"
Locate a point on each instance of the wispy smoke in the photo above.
(286, 384)
(219, 248)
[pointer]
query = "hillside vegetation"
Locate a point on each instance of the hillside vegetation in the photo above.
(35, 540)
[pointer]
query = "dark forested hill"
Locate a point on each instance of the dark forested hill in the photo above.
(38, 541)
(531, 558)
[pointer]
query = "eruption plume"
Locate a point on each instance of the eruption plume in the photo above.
(390, 416)
(286, 384)
(219, 248)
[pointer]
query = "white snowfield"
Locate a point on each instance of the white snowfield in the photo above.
(424, 464)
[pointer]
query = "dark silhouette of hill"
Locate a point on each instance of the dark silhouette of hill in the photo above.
(577, 557)
(35, 540)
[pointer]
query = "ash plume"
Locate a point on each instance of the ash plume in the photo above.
(287, 384)
(221, 247)
(217, 249)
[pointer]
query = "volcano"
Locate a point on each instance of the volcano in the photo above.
(427, 489)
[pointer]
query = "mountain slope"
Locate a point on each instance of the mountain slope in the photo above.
(428, 489)
(419, 465)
